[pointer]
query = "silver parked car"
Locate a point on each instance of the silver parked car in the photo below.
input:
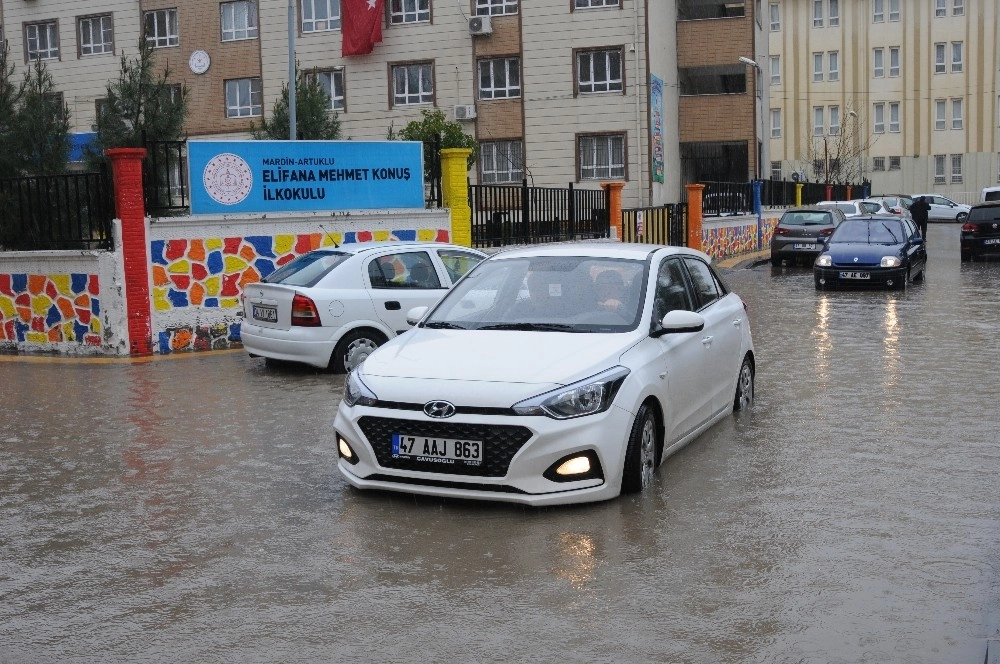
(801, 232)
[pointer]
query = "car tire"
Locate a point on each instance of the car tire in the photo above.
(966, 256)
(354, 347)
(642, 452)
(961, 217)
(776, 261)
(744, 386)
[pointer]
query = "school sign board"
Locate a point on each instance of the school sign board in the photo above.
(229, 177)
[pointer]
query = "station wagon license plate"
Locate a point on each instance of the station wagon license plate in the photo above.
(264, 313)
(992, 240)
(855, 275)
(442, 450)
(811, 247)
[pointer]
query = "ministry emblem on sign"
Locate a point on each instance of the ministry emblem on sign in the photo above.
(228, 179)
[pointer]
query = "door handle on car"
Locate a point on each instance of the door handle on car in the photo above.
(707, 340)
(392, 305)
(738, 322)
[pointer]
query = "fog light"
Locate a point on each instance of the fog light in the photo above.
(575, 467)
(888, 282)
(346, 453)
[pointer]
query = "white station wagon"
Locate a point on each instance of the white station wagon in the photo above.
(331, 307)
(550, 374)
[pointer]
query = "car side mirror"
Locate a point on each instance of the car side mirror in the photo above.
(678, 321)
(414, 315)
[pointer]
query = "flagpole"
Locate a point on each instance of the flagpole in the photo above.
(291, 71)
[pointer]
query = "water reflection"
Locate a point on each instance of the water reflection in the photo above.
(891, 356)
(821, 334)
(576, 553)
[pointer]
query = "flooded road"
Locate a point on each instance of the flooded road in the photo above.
(189, 509)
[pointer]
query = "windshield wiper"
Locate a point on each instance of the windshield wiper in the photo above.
(891, 234)
(530, 327)
(444, 325)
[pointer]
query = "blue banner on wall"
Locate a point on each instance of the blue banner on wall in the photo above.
(294, 176)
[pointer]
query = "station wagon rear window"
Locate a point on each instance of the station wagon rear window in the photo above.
(308, 269)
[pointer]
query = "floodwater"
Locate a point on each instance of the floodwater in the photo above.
(189, 509)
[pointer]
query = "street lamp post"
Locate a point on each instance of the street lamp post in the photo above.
(760, 141)
(861, 158)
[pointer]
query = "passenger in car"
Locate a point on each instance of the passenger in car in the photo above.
(610, 289)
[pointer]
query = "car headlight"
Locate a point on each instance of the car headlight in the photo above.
(891, 261)
(356, 392)
(585, 397)
(824, 260)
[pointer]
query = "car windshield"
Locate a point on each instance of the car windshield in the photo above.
(805, 218)
(546, 294)
(981, 214)
(870, 207)
(307, 269)
(870, 231)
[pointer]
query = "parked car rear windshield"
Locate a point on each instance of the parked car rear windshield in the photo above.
(307, 269)
(981, 214)
(805, 218)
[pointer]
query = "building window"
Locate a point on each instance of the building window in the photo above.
(53, 103)
(834, 13)
(834, 72)
(602, 157)
(775, 170)
(599, 71)
(495, 7)
(42, 40)
(894, 163)
(161, 28)
(893, 10)
(409, 11)
(957, 116)
(878, 118)
(939, 169)
(818, 121)
(894, 61)
(819, 168)
(894, 117)
(956, 57)
(878, 11)
(878, 63)
(587, 4)
(501, 162)
(243, 98)
(500, 78)
(817, 67)
(775, 10)
(817, 13)
(775, 61)
(412, 83)
(239, 20)
(775, 123)
(332, 82)
(956, 169)
(940, 7)
(96, 35)
(835, 120)
(940, 121)
(958, 9)
(320, 15)
(878, 163)
(939, 66)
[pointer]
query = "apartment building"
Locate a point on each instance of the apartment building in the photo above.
(555, 91)
(902, 93)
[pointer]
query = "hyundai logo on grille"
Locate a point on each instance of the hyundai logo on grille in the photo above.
(439, 409)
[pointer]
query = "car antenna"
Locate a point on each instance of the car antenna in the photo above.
(335, 245)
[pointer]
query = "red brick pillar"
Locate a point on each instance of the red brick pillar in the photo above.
(130, 208)
(615, 206)
(694, 215)
(829, 192)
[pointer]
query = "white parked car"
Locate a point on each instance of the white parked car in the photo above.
(552, 374)
(332, 307)
(853, 208)
(945, 209)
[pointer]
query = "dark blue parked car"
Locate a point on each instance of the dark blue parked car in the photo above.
(871, 252)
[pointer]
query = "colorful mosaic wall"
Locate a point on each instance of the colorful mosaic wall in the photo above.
(724, 241)
(50, 308)
(212, 272)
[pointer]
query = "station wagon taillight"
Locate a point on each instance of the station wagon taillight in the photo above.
(969, 228)
(304, 312)
(826, 231)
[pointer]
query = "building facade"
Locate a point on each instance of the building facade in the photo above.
(555, 91)
(902, 93)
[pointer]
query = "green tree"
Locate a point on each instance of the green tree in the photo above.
(41, 136)
(432, 127)
(139, 107)
(10, 97)
(313, 119)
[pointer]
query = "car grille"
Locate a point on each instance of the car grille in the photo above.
(500, 444)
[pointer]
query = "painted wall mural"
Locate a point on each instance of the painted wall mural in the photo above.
(50, 308)
(212, 272)
(724, 241)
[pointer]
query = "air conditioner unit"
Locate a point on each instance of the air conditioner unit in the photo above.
(480, 25)
(465, 112)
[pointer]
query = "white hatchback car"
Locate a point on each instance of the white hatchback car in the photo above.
(551, 374)
(945, 209)
(332, 307)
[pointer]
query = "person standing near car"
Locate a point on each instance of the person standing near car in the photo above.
(919, 211)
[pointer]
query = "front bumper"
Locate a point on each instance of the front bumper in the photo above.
(879, 277)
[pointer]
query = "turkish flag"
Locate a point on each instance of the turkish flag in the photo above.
(361, 22)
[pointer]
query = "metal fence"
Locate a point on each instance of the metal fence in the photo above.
(666, 224)
(71, 211)
(165, 178)
(726, 198)
(507, 214)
